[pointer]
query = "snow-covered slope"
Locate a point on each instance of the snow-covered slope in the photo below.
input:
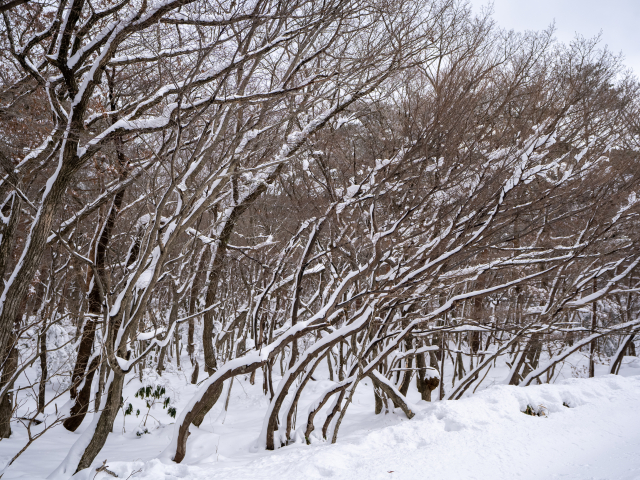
(484, 436)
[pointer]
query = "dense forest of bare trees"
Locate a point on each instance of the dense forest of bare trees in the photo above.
(386, 188)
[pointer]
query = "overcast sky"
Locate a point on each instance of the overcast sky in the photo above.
(618, 20)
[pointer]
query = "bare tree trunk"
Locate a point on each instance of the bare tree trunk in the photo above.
(425, 383)
(526, 360)
(531, 354)
(105, 422)
(104, 374)
(210, 362)
(6, 404)
(406, 379)
(625, 348)
(95, 308)
(474, 336)
(163, 352)
(570, 335)
(594, 343)
(81, 405)
(442, 359)
(194, 374)
(195, 288)
(177, 345)
(10, 367)
(330, 367)
(379, 404)
(11, 210)
(44, 374)
(398, 400)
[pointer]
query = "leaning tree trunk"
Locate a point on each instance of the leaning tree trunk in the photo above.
(105, 422)
(210, 362)
(625, 347)
(81, 404)
(80, 373)
(399, 400)
(98, 254)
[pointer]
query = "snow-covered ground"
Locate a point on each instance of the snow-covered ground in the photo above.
(482, 436)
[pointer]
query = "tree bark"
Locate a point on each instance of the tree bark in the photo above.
(594, 343)
(616, 361)
(44, 374)
(105, 422)
(6, 404)
(81, 405)
(89, 330)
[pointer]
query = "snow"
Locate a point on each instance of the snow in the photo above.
(481, 436)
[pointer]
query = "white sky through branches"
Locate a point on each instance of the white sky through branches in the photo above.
(617, 20)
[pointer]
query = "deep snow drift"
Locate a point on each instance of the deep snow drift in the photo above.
(482, 436)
